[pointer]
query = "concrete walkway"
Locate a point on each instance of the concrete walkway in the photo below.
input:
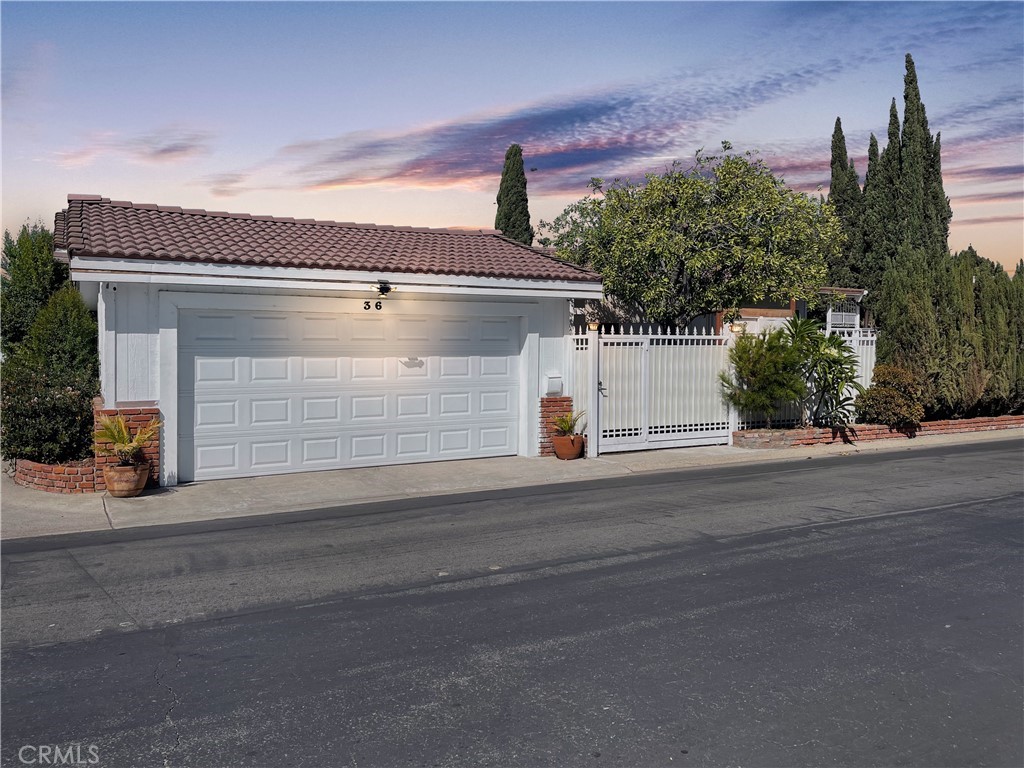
(31, 513)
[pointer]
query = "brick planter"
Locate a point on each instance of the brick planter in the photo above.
(86, 476)
(860, 433)
(74, 477)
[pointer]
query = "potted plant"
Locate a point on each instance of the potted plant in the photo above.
(114, 438)
(566, 442)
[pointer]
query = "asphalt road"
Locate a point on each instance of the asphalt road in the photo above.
(856, 610)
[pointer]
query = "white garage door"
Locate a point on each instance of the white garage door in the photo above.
(264, 392)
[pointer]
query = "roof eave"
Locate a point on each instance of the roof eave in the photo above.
(197, 274)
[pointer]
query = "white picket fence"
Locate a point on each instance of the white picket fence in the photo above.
(646, 387)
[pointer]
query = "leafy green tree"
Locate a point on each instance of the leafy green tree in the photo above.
(694, 241)
(848, 201)
(766, 374)
(513, 216)
(32, 277)
(48, 383)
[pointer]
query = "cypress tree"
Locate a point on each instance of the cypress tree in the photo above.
(916, 156)
(955, 321)
(873, 228)
(845, 196)
(908, 331)
(992, 297)
(513, 216)
(1017, 337)
(961, 377)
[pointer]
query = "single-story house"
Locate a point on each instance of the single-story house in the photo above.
(273, 345)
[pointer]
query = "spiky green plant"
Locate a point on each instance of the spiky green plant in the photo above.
(565, 425)
(114, 438)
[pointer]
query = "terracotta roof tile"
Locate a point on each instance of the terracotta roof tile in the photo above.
(95, 226)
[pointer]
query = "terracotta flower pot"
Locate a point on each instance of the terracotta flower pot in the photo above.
(568, 446)
(124, 482)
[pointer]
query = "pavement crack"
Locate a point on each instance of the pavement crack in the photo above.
(158, 679)
(94, 580)
(106, 512)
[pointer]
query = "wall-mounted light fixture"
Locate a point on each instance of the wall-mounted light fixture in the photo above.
(384, 288)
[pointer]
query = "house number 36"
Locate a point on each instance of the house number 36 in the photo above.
(378, 305)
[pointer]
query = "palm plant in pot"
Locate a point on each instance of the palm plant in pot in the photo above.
(568, 444)
(114, 438)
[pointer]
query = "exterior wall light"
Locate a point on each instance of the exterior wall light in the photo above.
(384, 288)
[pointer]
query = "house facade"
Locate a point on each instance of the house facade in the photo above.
(271, 345)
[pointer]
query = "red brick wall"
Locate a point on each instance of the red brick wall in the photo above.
(859, 433)
(76, 477)
(86, 476)
(550, 407)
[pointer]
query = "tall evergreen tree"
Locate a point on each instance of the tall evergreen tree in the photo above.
(992, 298)
(874, 227)
(1017, 337)
(513, 216)
(961, 378)
(32, 277)
(916, 156)
(908, 331)
(955, 321)
(845, 196)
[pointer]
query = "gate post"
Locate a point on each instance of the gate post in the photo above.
(594, 396)
(734, 414)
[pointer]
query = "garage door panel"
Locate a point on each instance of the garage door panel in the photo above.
(216, 414)
(267, 412)
(269, 370)
(321, 410)
(265, 393)
(216, 371)
(267, 454)
(321, 450)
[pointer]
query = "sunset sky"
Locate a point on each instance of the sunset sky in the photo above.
(400, 113)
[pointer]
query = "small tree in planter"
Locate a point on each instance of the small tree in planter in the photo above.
(114, 438)
(566, 442)
(766, 373)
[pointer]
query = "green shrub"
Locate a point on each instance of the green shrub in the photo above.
(893, 399)
(43, 419)
(63, 337)
(766, 373)
(48, 383)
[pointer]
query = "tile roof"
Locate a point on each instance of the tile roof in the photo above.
(96, 226)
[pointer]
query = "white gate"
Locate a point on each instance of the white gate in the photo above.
(863, 342)
(646, 387)
(652, 388)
